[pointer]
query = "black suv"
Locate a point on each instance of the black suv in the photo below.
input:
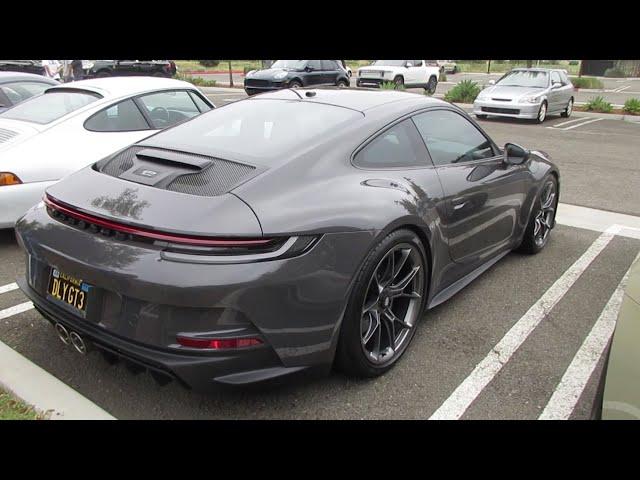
(24, 66)
(295, 74)
(119, 68)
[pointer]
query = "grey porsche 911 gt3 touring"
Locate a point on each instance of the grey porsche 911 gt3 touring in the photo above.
(288, 232)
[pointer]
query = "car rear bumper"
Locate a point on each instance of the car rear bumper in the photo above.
(200, 372)
(506, 109)
(15, 200)
(142, 299)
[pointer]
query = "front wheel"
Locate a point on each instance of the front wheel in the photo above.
(543, 217)
(542, 113)
(295, 84)
(569, 109)
(342, 84)
(385, 306)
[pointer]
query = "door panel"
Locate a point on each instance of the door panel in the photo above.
(316, 76)
(483, 196)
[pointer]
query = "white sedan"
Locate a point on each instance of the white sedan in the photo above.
(76, 124)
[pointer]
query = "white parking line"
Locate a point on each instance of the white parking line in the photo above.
(11, 311)
(579, 119)
(575, 378)
(598, 220)
(618, 90)
(462, 397)
(8, 288)
(582, 124)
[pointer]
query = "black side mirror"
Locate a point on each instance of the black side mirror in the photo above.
(308, 68)
(515, 154)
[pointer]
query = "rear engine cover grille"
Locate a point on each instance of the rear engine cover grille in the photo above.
(216, 179)
(6, 135)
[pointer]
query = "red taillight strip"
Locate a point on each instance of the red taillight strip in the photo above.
(143, 232)
(218, 343)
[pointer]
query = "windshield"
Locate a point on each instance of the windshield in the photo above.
(389, 63)
(525, 78)
(289, 64)
(260, 129)
(50, 106)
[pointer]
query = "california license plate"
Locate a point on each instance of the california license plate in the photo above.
(69, 291)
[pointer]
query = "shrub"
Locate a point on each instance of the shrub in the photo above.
(201, 82)
(390, 86)
(632, 106)
(443, 77)
(465, 91)
(587, 82)
(574, 62)
(614, 72)
(248, 69)
(209, 63)
(598, 104)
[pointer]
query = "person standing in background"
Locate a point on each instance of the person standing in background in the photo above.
(67, 74)
(52, 68)
(76, 67)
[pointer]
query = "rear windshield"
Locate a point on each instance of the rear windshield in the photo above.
(51, 106)
(259, 128)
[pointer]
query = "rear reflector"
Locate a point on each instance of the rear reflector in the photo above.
(54, 205)
(7, 178)
(218, 343)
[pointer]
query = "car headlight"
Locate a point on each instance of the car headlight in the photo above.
(534, 99)
(280, 75)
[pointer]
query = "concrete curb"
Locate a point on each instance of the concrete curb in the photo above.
(44, 392)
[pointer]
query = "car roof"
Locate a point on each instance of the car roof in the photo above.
(359, 99)
(17, 76)
(123, 86)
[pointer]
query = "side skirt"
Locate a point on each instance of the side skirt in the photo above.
(455, 287)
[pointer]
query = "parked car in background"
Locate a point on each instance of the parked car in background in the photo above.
(530, 93)
(72, 125)
(296, 74)
(124, 68)
(618, 395)
(284, 233)
(346, 67)
(448, 66)
(404, 73)
(24, 66)
(17, 87)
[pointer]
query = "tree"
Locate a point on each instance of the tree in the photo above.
(230, 75)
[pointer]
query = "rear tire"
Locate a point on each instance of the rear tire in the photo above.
(431, 86)
(377, 312)
(342, 84)
(399, 82)
(567, 111)
(295, 84)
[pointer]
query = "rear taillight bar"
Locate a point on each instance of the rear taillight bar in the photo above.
(55, 205)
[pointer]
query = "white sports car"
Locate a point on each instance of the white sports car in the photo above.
(73, 125)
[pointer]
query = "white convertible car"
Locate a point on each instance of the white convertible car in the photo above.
(73, 125)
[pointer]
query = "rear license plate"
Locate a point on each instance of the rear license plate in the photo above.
(69, 291)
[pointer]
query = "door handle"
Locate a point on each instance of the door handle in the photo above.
(458, 206)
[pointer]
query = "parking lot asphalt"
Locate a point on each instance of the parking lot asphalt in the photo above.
(599, 169)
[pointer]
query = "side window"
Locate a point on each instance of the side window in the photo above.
(565, 78)
(451, 138)
(200, 103)
(417, 63)
(555, 78)
(329, 65)
(19, 91)
(165, 109)
(398, 147)
(121, 117)
(315, 64)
